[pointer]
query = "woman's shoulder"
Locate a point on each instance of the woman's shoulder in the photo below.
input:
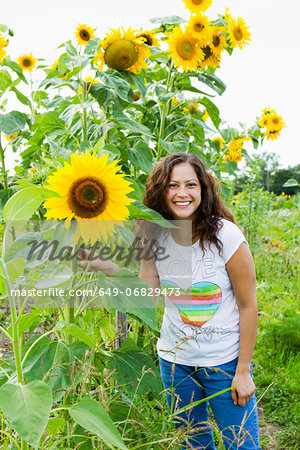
(226, 228)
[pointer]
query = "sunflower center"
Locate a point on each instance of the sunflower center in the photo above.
(197, 2)
(87, 197)
(216, 41)
(85, 35)
(238, 33)
(275, 120)
(186, 48)
(121, 54)
(147, 37)
(198, 26)
(26, 62)
(207, 52)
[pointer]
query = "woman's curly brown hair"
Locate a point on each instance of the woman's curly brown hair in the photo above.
(211, 208)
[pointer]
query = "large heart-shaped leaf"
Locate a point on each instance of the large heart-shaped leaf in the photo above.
(92, 416)
(27, 408)
(24, 203)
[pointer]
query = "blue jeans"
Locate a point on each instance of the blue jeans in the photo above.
(185, 384)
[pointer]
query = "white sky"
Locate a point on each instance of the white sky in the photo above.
(263, 74)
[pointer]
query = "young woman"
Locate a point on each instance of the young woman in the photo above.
(209, 326)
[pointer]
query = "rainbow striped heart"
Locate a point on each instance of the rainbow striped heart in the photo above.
(196, 305)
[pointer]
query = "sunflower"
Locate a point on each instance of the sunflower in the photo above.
(275, 122)
(148, 38)
(227, 15)
(196, 6)
(205, 116)
(198, 26)
(238, 33)
(210, 59)
(83, 34)
(123, 50)
(235, 148)
(3, 43)
(218, 41)
(27, 62)
(10, 138)
(220, 140)
(184, 50)
(90, 191)
(272, 134)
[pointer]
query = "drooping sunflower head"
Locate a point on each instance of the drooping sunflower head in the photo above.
(184, 49)
(83, 34)
(123, 50)
(27, 62)
(89, 189)
(211, 59)
(199, 28)
(220, 140)
(196, 6)
(238, 33)
(148, 37)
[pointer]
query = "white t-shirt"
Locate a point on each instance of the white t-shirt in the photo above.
(201, 319)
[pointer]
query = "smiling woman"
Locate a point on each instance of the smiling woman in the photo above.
(213, 270)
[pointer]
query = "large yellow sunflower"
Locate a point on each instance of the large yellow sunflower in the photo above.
(27, 62)
(123, 50)
(196, 6)
(184, 50)
(83, 34)
(238, 33)
(198, 26)
(91, 191)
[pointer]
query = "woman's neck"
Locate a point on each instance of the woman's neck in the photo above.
(183, 234)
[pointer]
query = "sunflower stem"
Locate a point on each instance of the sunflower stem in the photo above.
(163, 115)
(3, 170)
(84, 114)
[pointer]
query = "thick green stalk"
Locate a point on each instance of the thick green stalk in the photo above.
(84, 114)
(4, 174)
(14, 322)
(163, 115)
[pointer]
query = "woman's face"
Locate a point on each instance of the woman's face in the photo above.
(183, 195)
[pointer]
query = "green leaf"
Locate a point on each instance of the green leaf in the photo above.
(290, 183)
(136, 304)
(212, 110)
(12, 122)
(92, 416)
(21, 97)
(5, 80)
(27, 408)
(16, 68)
(134, 369)
(24, 203)
(74, 330)
(176, 146)
(115, 81)
(211, 80)
(132, 125)
(140, 211)
(231, 167)
(169, 20)
(15, 267)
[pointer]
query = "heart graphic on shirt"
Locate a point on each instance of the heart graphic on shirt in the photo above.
(196, 305)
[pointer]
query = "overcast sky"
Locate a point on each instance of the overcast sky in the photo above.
(263, 74)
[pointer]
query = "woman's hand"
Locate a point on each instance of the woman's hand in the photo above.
(96, 264)
(244, 389)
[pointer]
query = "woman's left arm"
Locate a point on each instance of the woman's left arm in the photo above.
(241, 271)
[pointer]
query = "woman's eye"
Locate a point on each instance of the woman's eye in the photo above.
(172, 185)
